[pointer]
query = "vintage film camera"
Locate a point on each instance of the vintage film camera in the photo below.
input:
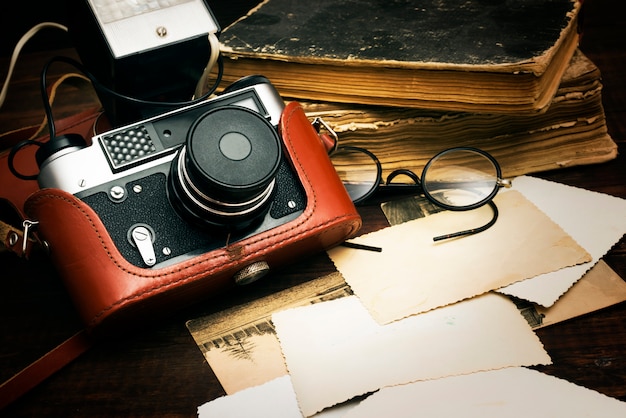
(187, 181)
(181, 205)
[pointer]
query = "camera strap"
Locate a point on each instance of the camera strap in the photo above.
(20, 241)
(23, 242)
(44, 367)
(15, 191)
(18, 235)
(16, 232)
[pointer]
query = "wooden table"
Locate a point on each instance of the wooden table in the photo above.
(159, 371)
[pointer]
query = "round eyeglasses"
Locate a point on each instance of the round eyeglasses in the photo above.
(457, 179)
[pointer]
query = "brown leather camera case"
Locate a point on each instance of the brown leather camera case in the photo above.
(108, 290)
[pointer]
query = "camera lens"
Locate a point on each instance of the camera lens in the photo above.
(224, 175)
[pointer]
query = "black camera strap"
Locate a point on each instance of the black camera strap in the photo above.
(44, 367)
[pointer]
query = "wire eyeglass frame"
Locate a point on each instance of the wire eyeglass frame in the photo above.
(468, 180)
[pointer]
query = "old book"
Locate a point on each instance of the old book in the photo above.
(572, 131)
(470, 55)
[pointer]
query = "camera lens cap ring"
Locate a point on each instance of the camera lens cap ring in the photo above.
(233, 150)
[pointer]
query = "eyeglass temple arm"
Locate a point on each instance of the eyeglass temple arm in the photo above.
(472, 231)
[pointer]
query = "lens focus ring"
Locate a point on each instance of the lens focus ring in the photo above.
(225, 173)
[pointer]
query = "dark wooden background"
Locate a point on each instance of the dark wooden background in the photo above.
(159, 371)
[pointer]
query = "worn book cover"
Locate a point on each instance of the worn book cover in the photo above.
(572, 131)
(467, 55)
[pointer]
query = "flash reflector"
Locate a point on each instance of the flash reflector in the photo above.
(132, 26)
(154, 50)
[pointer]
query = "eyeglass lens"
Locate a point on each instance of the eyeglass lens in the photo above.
(461, 178)
(359, 170)
(456, 179)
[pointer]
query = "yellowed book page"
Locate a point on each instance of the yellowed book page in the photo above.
(240, 343)
(335, 350)
(596, 221)
(413, 274)
(599, 288)
(512, 392)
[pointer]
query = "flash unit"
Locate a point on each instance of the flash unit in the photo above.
(152, 50)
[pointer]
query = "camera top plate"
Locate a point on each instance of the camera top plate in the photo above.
(130, 145)
(136, 147)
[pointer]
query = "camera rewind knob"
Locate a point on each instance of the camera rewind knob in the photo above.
(57, 144)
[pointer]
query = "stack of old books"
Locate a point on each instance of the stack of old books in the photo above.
(407, 79)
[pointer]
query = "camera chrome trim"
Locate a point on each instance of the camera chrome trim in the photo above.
(184, 181)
